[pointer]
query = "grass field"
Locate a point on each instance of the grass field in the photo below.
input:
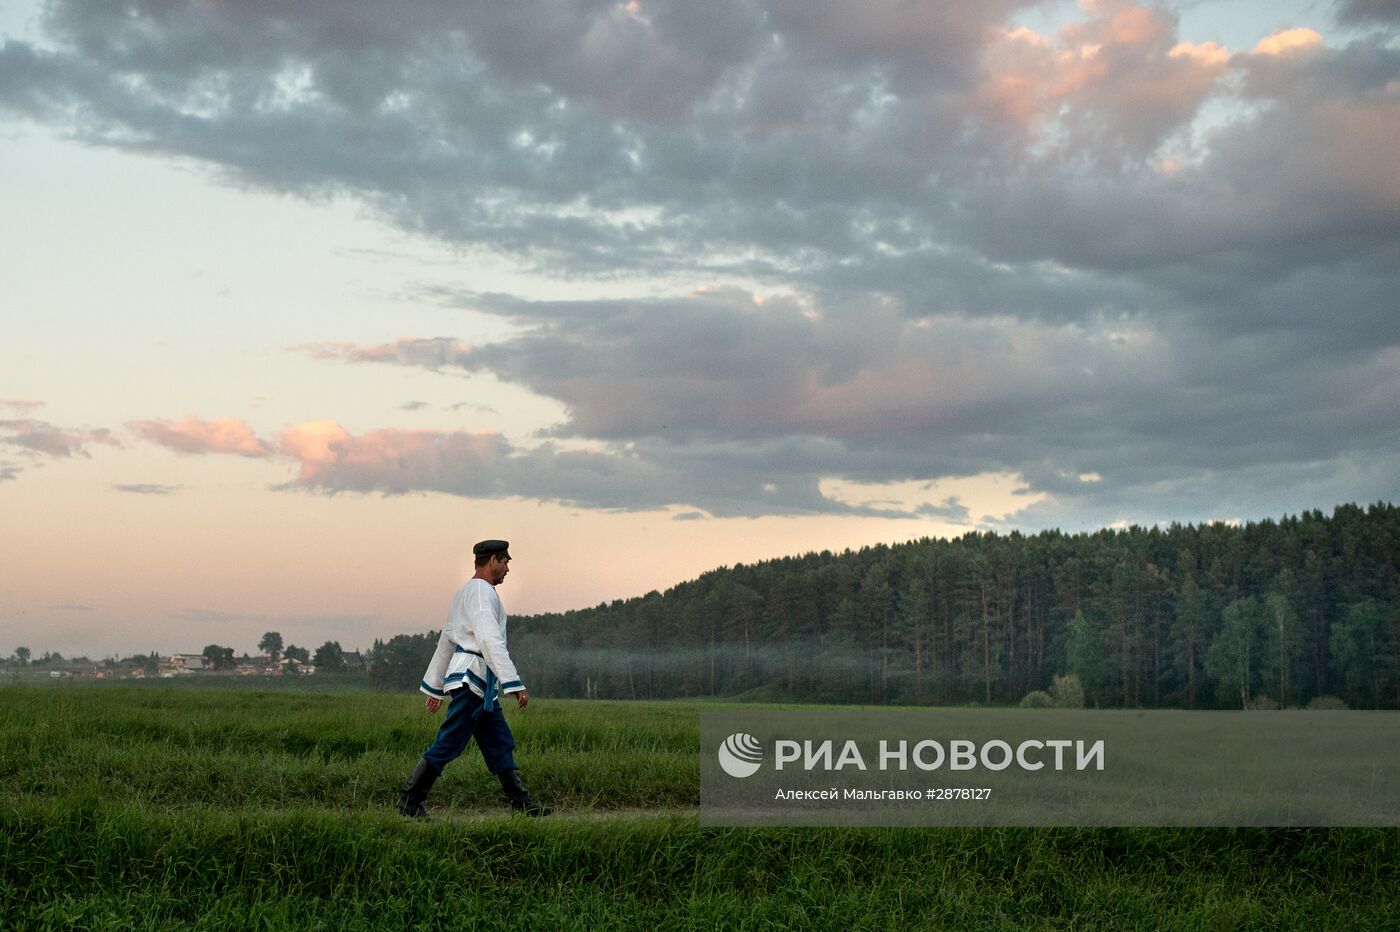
(150, 807)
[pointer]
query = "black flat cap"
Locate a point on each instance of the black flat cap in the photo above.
(489, 547)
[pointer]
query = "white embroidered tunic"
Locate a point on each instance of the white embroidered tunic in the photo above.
(472, 648)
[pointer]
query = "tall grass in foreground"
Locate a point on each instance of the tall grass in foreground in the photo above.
(142, 808)
(171, 748)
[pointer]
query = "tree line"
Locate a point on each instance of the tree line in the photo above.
(328, 658)
(1260, 615)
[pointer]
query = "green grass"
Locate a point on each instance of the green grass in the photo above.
(173, 748)
(155, 808)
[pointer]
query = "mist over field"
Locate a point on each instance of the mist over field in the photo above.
(1266, 615)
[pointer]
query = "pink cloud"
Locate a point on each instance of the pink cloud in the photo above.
(1117, 22)
(332, 458)
(222, 435)
(389, 459)
(312, 442)
(1115, 84)
(21, 404)
(1286, 41)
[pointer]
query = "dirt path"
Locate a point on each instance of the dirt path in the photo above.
(563, 815)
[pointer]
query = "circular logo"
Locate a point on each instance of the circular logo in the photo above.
(740, 755)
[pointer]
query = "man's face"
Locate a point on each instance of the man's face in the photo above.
(498, 568)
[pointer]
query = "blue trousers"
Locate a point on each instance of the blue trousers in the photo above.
(466, 720)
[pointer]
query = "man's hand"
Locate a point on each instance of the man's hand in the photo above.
(522, 698)
(433, 704)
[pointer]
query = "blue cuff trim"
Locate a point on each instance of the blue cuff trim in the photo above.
(426, 688)
(512, 685)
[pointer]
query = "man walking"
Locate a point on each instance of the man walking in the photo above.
(472, 668)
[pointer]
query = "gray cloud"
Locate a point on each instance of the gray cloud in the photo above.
(950, 509)
(1368, 11)
(45, 439)
(774, 137)
(1105, 251)
(146, 488)
(718, 402)
(925, 152)
(717, 365)
(431, 353)
(780, 476)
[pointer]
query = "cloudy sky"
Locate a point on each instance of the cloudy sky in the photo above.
(301, 299)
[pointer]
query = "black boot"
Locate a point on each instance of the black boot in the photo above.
(416, 790)
(519, 797)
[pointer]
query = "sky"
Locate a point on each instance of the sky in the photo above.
(302, 299)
